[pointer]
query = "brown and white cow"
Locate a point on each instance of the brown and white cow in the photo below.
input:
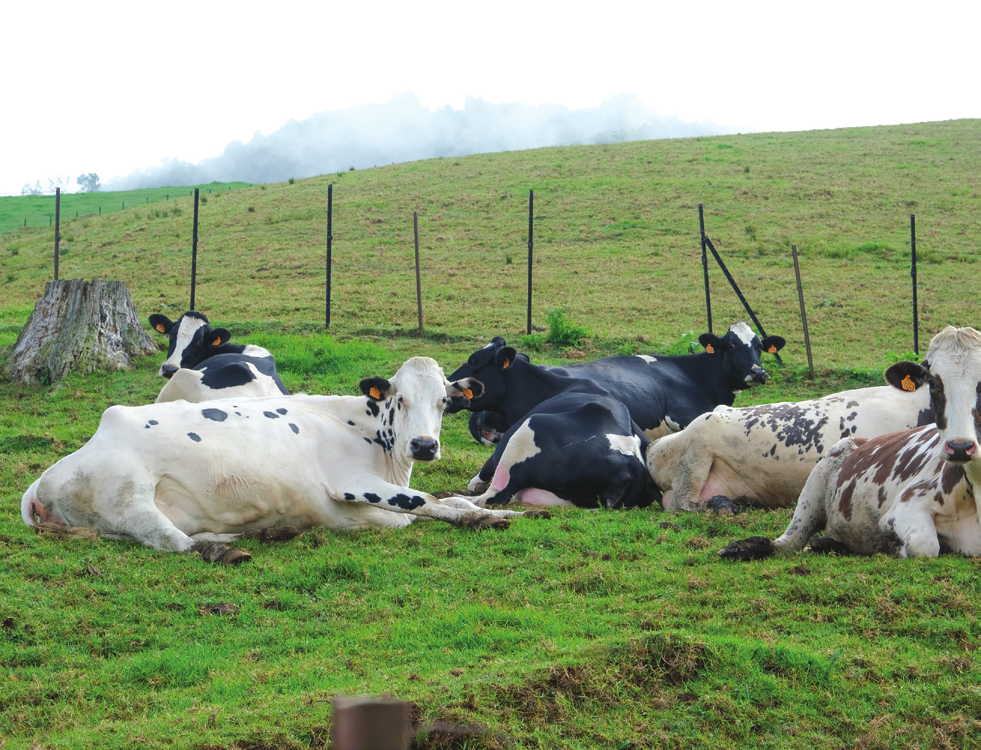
(908, 493)
(762, 455)
(173, 474)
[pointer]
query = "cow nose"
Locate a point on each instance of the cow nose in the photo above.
(961, 450)
(168, 371)
(423, 448)
(758, 376)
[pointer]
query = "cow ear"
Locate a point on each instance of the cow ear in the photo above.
(219, 336)
(461, 393)
(161, 323)
(773, 344)
(377, 389)
(711, 343)
(505, 357)
(907, 376)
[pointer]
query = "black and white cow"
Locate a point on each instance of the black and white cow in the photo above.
(570, 443)
(173, 474)
(665, 393)
(909, 493)
(762, 455)
(201, 365)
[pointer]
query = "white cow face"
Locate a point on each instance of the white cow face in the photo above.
(411, 407)
(191, 340)
(952, 371)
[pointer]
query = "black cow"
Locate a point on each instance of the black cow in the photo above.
(663, 393)
(571, 441)
(201, 365)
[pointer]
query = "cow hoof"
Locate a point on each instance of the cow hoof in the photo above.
(822, 545)
(754, 548)
(273, 534)
(489, 522)
(722, 505)
(443, 494)
(58, 531)
(537, 513)
(216, 552)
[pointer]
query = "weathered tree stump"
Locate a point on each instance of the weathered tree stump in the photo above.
(78, 326)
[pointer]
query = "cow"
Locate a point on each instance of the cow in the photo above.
(665, 393)
(201, 365)
(762, 455)
(176, 475)
(570, 441)
(907, 494)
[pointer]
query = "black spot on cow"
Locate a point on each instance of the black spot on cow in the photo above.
(194, 436)
(296, 430)
(348, 496)
(351, 423)
(367, 440)
(281, 411)
(371, 497)
(925, 417)
(391, 416)
(271, 415)
(216, 415)
(372, 408)
(152, 423)
(405, 502)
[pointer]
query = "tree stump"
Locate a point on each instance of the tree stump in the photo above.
(78, 326)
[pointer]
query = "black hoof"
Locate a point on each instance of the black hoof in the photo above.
(754, 548)
(722, 504)
(537, 513)
(823, 546)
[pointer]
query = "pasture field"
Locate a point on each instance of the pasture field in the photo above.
(592, 630)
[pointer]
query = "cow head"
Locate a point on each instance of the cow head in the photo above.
(741, 349)
(485, 374)
(192, 340)
(952, 372)
(411, 407)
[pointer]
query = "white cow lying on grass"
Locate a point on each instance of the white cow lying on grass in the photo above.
(908, 493)
(762, 455)
(173, 474)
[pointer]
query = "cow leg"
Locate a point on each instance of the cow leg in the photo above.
(466, 504)
(690, 478)
(392, 497)
(915, 527)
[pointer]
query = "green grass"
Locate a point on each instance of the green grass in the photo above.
(592, 630)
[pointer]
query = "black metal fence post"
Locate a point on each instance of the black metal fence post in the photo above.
(57, 227)
(803, 315)
(531, 244)
(705, 267)
(415, 232)
(916, 325)
(194, 249)
(330, 239)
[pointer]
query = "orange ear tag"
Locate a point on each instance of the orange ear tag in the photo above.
(468, 393)
(507, 363)
(772, 349)
(908, 384)
(709, 349)
(216, 342)
(375, 393)
(160, 327)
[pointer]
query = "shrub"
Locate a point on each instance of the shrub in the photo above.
(562, 332)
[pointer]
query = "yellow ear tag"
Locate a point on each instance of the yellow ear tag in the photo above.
(507, 363)
(709, 349)
(375, 393)
(908, 384)
(216, 342)
(468, 393)
(772, 349)
(160, 327)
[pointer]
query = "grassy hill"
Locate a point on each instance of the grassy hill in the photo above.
(593, 630)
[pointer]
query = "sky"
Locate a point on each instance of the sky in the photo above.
(112, 87)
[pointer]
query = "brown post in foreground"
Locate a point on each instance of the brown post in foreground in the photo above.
(370, 724)
(803, 315)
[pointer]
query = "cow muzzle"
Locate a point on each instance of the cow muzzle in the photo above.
(424, 448)
(757, 377)
(168, 371)
(960, 451)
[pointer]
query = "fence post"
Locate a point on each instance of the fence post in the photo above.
(194, 249)
(803, 315)
(415, 231)
(705, 267)
(531, 244)
(330, 238)
(57, 227)
(916, 323)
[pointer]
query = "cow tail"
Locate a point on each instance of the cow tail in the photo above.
(29, 505)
